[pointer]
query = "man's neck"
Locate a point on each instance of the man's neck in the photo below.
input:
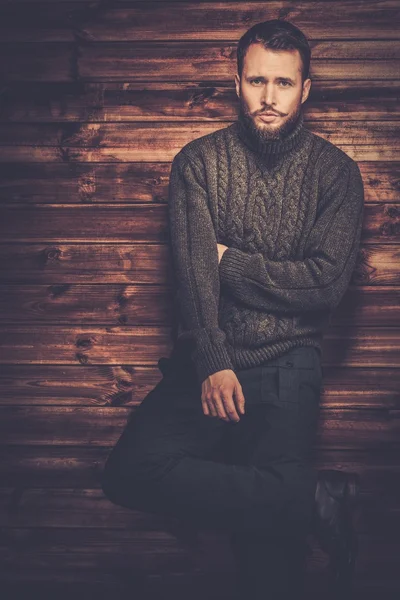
(271, 149)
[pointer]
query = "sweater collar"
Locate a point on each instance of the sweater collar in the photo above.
(271, 150)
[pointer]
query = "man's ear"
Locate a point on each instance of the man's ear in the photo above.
(237, 85)
(306, 90)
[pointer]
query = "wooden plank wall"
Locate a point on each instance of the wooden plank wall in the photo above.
(96, 99)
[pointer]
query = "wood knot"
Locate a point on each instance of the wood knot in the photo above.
(51, 254)
(390, 229)
(58, 290)
(363, 272)
(228, 52)
(85, 342)
(124, 384)
(82, 358)
(392, 211)
(87, 187)
(283, 13)
(122, 300)
(200, 98)
(374, 182)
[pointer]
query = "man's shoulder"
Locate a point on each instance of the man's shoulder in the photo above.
(330, 155)
(200, 148)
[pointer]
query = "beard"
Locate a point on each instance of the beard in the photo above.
(265, 134)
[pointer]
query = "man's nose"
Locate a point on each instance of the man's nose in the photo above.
(269, 95)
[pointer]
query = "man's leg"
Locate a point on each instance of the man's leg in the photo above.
(279, 432)
(167, 433)
(164, 462)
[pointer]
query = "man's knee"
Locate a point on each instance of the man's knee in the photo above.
(127, 482)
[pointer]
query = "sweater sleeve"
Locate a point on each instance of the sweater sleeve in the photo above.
(195, 262)
(320, 280)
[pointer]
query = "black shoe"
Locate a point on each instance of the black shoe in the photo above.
(336, 495)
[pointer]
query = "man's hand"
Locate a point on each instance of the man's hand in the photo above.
(221, 250)
(221, 390)
(219, 393)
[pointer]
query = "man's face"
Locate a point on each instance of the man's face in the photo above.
(271, 83)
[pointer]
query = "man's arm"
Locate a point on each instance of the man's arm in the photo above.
(195, 260)
(320, 280)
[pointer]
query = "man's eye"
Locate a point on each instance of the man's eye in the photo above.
(283, 83)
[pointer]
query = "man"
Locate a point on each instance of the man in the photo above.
(265, 222)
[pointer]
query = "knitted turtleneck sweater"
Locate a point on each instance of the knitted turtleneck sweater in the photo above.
(290, 212)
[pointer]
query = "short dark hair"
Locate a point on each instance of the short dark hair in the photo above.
(276, 34)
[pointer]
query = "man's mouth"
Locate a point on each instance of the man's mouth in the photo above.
(268, 116)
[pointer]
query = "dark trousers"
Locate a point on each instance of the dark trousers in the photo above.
(253, 479)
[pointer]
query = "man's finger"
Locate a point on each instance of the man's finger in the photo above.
(206, 410)
(230, 406)
(219, 406)
(239, 397)
(211, 408)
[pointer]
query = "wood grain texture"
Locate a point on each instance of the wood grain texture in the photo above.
(149, 552)
(182, 61)
(144, 263)
(351, 429)
(96, 99)
(37, 154)
(80, 467)
(109, 183)
(96, 262)
(187, 101)
(125, 385)
(142, 223)
(165, 137)
(122, 583)
(107, 304)
(116, 344)
(131, 21)
(89, 508)
(134, 142)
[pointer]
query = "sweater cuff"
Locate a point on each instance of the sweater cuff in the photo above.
(232, 266)
(210, 359)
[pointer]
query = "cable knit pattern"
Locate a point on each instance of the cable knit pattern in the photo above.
(290, 212)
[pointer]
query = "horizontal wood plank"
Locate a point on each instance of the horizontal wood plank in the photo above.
(97, 345)
(61, 264)
(153, 305)
(81, 467)
(89, 508)
(71, 156)
(137, 182)
(100, 263)
(147, 551)
(163, 102)
(366, 429)
(142, 223)
(114, 345)
(150, 551)
(124, 385)
(68, 21)
(105, 385)
(89, 223)
(158, 137)
(217, 585)
(109, 183)
(348, 429)
(183, 61)
(130, 142)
